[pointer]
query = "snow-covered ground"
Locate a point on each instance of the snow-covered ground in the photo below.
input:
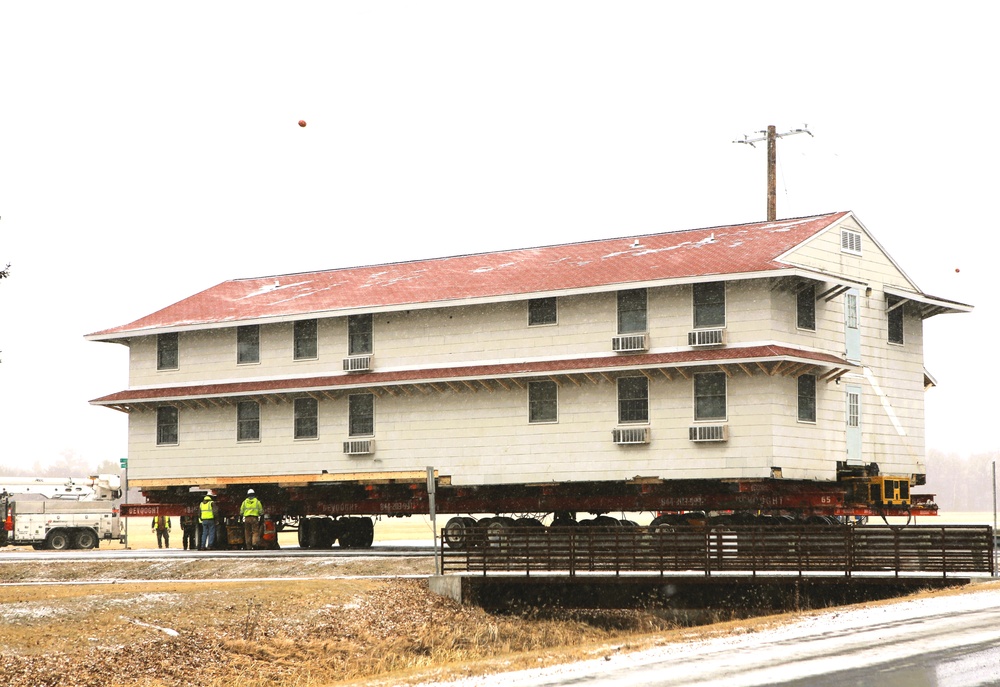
(952, 639)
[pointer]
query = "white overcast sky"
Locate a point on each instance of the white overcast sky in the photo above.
(151, 150)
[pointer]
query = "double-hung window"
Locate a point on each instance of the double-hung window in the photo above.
(807, 398)
(306, 411)
(359, 334)
(895, 316)
(305, 346)
(248, 344)
(710, 304)
(361, 415)
(710, 396)
(166, 351)
(543, 402)
(632, 311)
(633, 399)
(805, 308)
(166, 425)
(541, 311)
(248, 421)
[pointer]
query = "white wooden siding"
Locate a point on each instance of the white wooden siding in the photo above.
(485, 438)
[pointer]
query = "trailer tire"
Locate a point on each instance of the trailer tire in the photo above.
(456, 533)
(305, 525)
(58, 540)
(356, 533)
(85, 539)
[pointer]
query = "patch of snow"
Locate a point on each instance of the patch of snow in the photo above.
(276, 286)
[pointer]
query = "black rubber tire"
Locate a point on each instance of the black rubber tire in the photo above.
(85, 538)
(305, 525)
(456, 533)
(58, 540)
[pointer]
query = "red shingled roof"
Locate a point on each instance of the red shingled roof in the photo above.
(526, 369)
(738, 249)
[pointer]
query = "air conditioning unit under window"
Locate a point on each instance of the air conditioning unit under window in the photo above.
(358, 363)
(627, 343)
(359, 447)
(630, 435)
(708, 433)
(707, 337)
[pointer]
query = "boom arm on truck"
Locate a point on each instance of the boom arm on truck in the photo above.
(93, 488)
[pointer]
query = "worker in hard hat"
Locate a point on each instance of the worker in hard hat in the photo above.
(161, 525)
(208, 515)
(251, 511)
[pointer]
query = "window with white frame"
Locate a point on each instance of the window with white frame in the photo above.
(710, 304)
(305, 345)
(851, 310)
(306, 418)
(710, 396)
(247, 344)
(805, 308)
(166, 351)
(360, 337)
(248, 421)
(632, 311)
(543, 401)
(361, 415)
(166, 425)
(853, 409)
(807, 398)
(633, 400)
(895, 316)
(541, 311)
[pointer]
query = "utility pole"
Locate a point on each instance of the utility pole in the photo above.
(772, 137)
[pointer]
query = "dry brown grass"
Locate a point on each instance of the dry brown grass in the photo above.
(302, 633)
(308, 633)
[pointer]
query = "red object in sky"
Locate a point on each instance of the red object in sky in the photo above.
(302, 122)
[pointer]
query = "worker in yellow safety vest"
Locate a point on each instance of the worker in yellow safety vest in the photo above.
(161, 525)
(251, 511)
(207, 513)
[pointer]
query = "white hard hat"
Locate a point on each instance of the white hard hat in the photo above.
(249, 491)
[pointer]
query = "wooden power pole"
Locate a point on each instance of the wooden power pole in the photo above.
(772, 137)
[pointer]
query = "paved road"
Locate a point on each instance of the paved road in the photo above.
(948, 641)
(379, 550)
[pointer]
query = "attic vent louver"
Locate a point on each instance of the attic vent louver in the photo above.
(850, 241)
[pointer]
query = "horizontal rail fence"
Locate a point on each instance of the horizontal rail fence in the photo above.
(615, 550)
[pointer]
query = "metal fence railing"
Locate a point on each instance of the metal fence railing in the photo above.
(615, 550)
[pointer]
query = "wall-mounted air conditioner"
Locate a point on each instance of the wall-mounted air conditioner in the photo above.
(707, 337)
(630, 435)
(359, 447)
(708, 433)
(358, 363)
(630, 343)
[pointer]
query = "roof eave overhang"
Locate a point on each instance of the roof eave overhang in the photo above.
(757, 360)
(928, 306)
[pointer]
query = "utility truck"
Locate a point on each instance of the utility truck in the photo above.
(73, 513)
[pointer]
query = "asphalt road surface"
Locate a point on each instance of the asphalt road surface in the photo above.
(943, 641)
